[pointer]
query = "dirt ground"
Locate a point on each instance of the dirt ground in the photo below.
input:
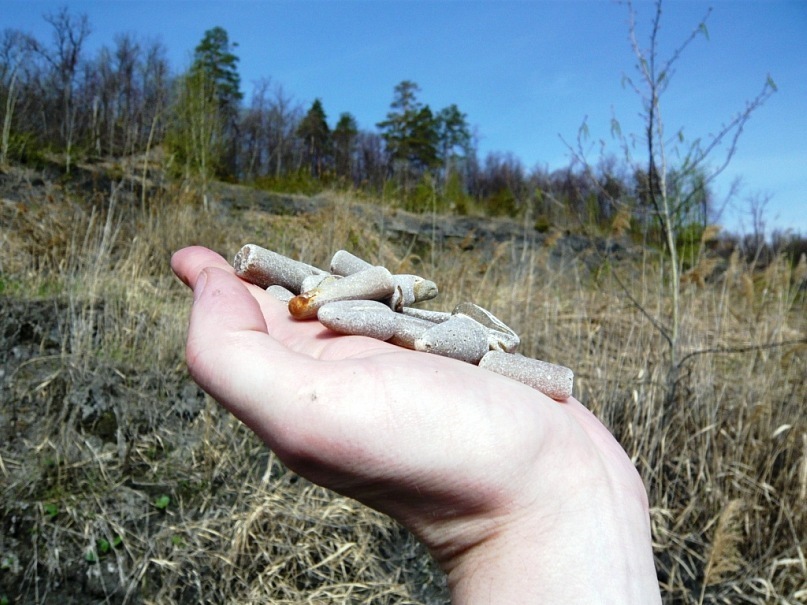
(87, 456)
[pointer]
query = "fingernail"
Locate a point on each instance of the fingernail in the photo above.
(199, 286)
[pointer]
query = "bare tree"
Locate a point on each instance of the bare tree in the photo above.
(195, 137)
(15, 50)
(155, 84)
(124, 127)
(755, 243)
(284, 116)
(69, 35)
(668, 198)
(253, 128)
(371, 160)
(675, 194)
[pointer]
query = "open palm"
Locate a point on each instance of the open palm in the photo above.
(458, 454)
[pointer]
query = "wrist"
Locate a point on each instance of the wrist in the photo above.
(592, 547)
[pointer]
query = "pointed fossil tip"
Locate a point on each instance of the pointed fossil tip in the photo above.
(301, 306)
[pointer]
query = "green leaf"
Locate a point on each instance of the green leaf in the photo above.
(162, 502)
(582, 133)
(703, 30)
(626, 81)
(616, 129)
(51, 510)
(771, 83)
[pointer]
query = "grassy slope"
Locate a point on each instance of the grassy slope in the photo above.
(99, 420)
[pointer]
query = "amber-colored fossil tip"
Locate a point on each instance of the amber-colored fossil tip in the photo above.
(300, 307)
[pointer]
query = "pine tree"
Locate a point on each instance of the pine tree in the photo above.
(344, 141)
(410, 132)
(316, 135)
(454, 137)
(216, 64)
(214, 56)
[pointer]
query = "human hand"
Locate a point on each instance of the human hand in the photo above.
(518, 497)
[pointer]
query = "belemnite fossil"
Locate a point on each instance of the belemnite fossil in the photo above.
(361, 299)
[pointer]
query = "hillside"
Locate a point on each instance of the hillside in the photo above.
(123, 481)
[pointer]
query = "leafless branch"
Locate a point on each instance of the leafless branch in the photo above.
(743, 349)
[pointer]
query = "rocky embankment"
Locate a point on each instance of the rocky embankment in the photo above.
(481, 234)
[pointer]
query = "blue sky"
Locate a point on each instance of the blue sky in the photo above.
(526, 73)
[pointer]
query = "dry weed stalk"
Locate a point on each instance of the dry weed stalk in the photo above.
(621, 223)
(724, 558)
(701, 272)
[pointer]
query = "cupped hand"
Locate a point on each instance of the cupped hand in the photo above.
(511, 491)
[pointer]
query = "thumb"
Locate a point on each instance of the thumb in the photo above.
(231, 356)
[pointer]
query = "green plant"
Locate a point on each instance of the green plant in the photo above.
(162, 502)
(104, 546)
(300, 181)
(51, 510)
(542, 224)
(424, 196)
(455, 197)
(7, 286)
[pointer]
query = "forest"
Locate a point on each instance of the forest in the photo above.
(127, 100)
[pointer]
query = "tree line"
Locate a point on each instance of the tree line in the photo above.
(126, 100)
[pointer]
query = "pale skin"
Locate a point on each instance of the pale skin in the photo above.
(519, 498)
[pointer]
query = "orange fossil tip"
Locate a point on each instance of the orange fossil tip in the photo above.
(301, 307)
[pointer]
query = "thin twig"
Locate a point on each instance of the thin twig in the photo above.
(744, 349)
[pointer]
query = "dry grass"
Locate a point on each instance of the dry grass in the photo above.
(102, 421)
